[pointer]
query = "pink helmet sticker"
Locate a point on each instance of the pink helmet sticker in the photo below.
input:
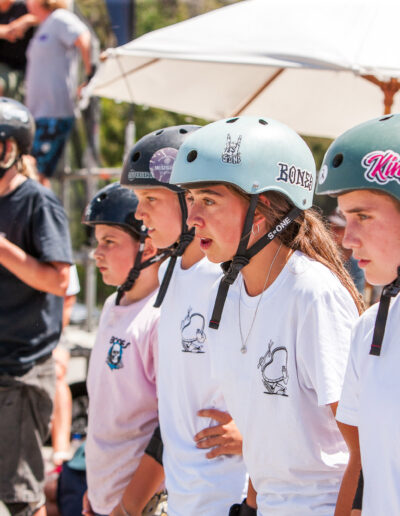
(381, 166)
(161, 164)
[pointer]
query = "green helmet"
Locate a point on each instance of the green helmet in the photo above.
(255, 154)
(367, 157)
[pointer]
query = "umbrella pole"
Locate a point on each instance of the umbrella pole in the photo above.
(389, 89)
(240, 110)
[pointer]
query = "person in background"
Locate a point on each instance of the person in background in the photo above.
(16, 30)
(337, 224)
(122, 371)
(35, 258)
(52, 78)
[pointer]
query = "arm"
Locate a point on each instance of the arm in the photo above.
(19, 26)
(82, 42)
(251, 495)
(144, 483)
(352, 472)
(52, 277)
(224, 439)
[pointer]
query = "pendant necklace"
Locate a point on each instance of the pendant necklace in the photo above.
(243, 349)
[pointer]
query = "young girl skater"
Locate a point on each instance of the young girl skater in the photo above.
(362, 168)
(122, 379)
(283, 310)
(188, 398)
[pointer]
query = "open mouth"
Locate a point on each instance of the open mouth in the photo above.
(363, 263)
(205, 243)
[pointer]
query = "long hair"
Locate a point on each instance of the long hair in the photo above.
(307, 234)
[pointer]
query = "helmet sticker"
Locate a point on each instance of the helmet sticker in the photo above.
(231, 152)
(381, 166)
(323, 174)
(161, 164)
(295, 176)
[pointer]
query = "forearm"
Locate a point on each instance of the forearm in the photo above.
(145, 482)
(352, 473)
(83, 44)
(251, 499)
(47, 277)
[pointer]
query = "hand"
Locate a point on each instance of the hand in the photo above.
(224, 439)
(86, 507)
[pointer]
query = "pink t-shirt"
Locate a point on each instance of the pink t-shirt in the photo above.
(122, 398)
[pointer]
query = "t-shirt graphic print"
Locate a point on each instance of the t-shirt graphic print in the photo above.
(192, 332)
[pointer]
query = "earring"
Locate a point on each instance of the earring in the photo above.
(258, 229)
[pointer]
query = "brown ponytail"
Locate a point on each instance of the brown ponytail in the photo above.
(309, 235)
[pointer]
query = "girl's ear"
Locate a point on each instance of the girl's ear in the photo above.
(149, 250)
(258, 216)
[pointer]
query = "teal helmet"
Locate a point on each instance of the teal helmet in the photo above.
(367, 157)
(255, 154)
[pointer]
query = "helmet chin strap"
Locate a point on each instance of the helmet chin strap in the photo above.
(186, 237)
(388, 292)
(138, 266)
(243, 255)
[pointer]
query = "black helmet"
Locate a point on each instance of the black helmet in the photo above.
(149, 165)
(16, 122)
(114, 205)
(150, 161)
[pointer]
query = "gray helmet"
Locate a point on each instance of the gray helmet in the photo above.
(149, 163)
(16, 122)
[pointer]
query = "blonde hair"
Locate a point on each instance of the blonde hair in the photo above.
(307, 234)
(27, 167)
(52, 5)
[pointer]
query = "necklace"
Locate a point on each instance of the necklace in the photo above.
(243, 349)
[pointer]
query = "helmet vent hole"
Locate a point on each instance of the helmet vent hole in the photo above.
(262, 122)
(192, 156)
(232, 120)
(101, 197)
(136, 157)
(182, 131)
(159, 132)
(337, 160)
(385, 118)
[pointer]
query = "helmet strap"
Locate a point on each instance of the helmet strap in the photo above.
(388, 292)
(185, 238)
(139, 266)
(243, 255)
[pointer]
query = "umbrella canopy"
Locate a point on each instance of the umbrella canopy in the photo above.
(319, 66)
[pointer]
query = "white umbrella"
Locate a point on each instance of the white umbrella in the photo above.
(302, 62)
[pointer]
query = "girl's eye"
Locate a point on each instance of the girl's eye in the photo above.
(362, 216)
(189, 199)
(151, 199)
(208, 202)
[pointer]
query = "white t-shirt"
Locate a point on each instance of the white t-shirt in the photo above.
(196, 485)
(122, 398)
(370, 401)
(279, 390)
